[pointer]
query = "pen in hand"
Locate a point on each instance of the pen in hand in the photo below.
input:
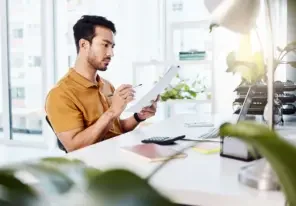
(110, 95)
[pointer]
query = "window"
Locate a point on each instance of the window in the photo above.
(34, 61)
(1, 95)
(26, 84)
(17, 60)
(69, 61)
(18, 33)
(34, 29)
(18, 93)
(73, 4)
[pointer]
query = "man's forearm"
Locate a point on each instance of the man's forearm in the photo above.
(129, 124)
(95, 132)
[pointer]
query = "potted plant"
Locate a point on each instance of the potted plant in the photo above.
(253, 69)
(181, 88)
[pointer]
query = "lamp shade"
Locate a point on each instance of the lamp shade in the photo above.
(236, 15)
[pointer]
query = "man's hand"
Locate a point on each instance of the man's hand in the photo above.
(121, 97)
(149, 111)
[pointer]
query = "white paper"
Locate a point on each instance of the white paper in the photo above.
(158, 88)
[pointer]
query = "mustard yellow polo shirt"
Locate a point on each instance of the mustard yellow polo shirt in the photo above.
(77, 102)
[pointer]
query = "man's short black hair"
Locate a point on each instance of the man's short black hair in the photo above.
(85, 27)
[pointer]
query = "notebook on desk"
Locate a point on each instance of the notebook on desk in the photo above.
(153, 152)
(207, 147)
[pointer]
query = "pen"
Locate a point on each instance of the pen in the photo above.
(110, 95)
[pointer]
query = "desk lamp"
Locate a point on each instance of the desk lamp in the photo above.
(240, 16)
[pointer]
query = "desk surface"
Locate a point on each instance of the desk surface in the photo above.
(198, 179)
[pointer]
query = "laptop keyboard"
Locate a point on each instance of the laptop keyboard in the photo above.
(214, 133)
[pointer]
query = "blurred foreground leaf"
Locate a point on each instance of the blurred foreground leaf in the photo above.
(120, 187)
(278, 152)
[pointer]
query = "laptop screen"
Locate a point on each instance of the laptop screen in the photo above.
(247, 103)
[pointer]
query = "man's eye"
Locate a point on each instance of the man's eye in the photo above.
(106, 45)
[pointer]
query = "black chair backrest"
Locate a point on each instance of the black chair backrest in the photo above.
(60, 145)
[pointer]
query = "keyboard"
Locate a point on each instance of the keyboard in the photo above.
(214, 133)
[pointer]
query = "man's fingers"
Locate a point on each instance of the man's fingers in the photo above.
(154, 102)
(123, 86)
(150, 110)
(153, 105)
(129, 99)
(128, 94)
(157, 98)
(126, 91)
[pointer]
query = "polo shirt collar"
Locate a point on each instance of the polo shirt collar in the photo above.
(83, 81)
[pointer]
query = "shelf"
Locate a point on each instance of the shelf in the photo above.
(195, 101)
(169, 63)
(190, 24)
(189, 62)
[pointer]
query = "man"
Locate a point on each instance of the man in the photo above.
(79, 107)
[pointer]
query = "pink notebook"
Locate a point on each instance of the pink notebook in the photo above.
(153, 152)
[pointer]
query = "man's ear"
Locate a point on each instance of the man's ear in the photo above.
(83, 44)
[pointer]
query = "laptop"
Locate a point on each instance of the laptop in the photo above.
(214, 133)
(233, 147)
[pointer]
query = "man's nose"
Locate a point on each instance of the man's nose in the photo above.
(110, 52)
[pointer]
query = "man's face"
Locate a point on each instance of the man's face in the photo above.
(100, 51)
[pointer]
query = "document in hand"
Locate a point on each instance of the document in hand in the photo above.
(153, 152)
(158, 88)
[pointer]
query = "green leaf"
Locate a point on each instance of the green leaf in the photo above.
(186, 87)
(14, 192)
(251, 71)
(229, 69)
(258, 59)
(91, 172)
(74, 169)
(61, 161)
(192, 93)
(291, 46)
(179, 87)
(292, 64)
(248, 70)
(118, 187)
(52, 179)
(279, 49)
(230, 60)
(174, 92)
(278, 152)
(194, 84)
(212, 26)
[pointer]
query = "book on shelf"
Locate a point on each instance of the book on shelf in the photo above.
(192, 55)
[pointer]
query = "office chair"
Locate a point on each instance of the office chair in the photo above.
(60, 145)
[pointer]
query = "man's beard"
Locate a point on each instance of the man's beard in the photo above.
(96, 66)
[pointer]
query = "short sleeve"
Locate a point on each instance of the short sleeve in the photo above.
(62, 112)
(111, 87)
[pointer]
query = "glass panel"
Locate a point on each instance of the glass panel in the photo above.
(1, 88)
(25, 69)
(186, 10)
(75, 9)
